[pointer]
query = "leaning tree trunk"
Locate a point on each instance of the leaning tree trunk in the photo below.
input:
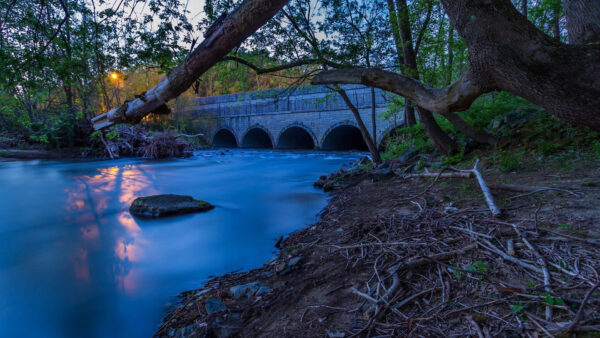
(361, 125)
(506, 52)
(226, 33)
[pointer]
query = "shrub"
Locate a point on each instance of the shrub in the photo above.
(510, 161)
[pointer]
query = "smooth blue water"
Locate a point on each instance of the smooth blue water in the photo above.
(74, 263)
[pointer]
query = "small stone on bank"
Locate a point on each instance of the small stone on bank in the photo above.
(167, 205)
(248, 290)
(214, 305)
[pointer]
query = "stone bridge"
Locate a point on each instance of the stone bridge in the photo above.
(310, 117)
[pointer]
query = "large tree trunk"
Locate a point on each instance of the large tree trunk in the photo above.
(409, 110)
(583, 21)
(409, 113)
(410, 68)
(509, 53)
(226, 33)
(438, 137)
(506, 52)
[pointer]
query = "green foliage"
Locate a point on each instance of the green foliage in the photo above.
(516, 308)
(596, 147)
(406, 138)
(492, 106)
(56, 55)
(111, 135)
(457, 274)
(509, 161)
(553, 301)
(478, 266)
(458, 157)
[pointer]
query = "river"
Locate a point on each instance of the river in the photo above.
(75, 263)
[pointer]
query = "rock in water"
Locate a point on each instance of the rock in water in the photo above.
(166, 205)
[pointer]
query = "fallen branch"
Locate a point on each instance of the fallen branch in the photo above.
(507, 257)
(489, 199)
(593, 242)
(579, 314)
(542, 262)
(107, 146)
(408, 299)
(527, 188)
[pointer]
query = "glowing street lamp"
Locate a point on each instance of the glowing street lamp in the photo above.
(114, 75)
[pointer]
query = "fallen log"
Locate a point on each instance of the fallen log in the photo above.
(226, 33)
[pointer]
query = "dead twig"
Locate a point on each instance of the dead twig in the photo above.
(475, 326)
(593, 242)
(579, 314)
(424, 260)
(542, 262)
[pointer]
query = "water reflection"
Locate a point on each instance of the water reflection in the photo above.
(91, 198)
(75, 263)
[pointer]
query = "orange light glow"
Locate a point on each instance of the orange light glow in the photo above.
(114, 75)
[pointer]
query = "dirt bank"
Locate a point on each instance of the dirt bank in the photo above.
(398, 256)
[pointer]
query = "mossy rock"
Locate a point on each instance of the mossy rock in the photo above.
(167, 205)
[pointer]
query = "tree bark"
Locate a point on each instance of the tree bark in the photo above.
(450, 55)
(220, 39)
(583, 21)
(441, 141)
(409, 110)
(395, 31)
(507, 52)
(409, 113)
(373, 117)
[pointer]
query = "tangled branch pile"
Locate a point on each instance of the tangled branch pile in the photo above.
(135, 141)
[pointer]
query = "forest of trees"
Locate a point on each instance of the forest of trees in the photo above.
(64, 61)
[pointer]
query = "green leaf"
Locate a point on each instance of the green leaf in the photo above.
(515, 308)
(553, 301)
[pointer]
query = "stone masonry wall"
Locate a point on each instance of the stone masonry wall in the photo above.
(314, 108)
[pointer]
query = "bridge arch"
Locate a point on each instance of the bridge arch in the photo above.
(296, 136)
(257, 136)
(224, 137)
(343, 135)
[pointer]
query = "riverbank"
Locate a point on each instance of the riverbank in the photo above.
(398, 254)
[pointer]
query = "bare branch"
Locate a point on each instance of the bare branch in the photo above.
(457, 97)
(290, 65)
